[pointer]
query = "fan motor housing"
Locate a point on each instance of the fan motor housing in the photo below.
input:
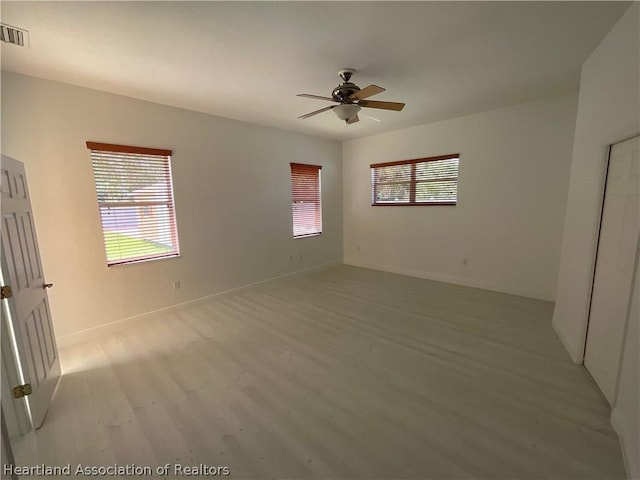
(343, 91)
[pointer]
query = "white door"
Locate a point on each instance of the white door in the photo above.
(26, 313)
(619, 233)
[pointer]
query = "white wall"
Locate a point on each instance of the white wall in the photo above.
(512, 188)
(232, 193)
(608, 110)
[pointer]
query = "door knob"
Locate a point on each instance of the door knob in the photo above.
(47, 285)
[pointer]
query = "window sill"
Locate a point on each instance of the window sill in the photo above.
(124, 263)
(307, 235)
(415, 204)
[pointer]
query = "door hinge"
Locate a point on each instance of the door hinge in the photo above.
(5, 292)
(21, 390)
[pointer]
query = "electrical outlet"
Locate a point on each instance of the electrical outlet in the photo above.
(176, 284)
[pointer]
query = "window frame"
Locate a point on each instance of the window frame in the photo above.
(316, 169)
(123, 150)
(412, 182)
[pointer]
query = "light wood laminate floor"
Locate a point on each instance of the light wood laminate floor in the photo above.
(341, 373)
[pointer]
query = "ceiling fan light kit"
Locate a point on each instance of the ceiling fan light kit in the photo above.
(351, 99)
(346, 111)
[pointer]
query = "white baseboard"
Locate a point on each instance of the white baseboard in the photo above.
(466, 282)
(109, 328)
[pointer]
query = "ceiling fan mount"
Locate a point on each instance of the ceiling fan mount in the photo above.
(345, 74)
(351, 98)
(343, 91)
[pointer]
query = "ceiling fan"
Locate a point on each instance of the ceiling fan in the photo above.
(351, 99)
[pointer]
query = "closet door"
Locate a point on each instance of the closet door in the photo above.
(617, 247)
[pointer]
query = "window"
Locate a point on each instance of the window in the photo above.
(424, 181)
(306, 204)
(135, 198)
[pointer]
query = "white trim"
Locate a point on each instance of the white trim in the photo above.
(604, 173)
(628, 137)
(101, 330)
(466, 282)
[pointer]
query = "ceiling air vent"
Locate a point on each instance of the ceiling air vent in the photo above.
(14, 35)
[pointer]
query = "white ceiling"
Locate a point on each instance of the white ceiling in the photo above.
(248, 60)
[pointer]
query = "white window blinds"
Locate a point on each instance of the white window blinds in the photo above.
(135, 199)
(425, 181)
(306, 203)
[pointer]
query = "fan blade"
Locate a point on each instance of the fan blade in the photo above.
(366, 92)
(383, 105)
(307, 95)
(353, 120)
(317, 112)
